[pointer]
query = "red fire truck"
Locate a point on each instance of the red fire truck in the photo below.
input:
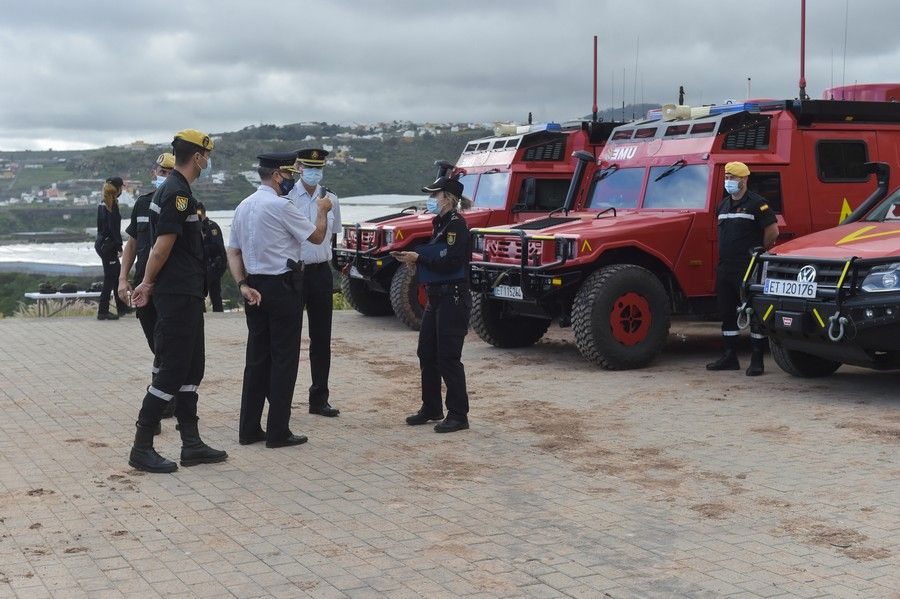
(833, 297)
(641, 244)
(510, 178)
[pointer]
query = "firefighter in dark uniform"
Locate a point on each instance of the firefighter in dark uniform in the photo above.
(174, 280)
(444, 267)
(263, 248)
(746, 221)
(216, 261)
(136, 250)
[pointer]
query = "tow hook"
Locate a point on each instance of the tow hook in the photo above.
(839, 322)
(743, 316)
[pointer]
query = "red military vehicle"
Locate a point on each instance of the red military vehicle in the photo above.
(833, 297)
(510, 178)
(641, 244)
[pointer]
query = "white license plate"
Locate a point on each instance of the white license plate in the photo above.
(354, 272)
(789, 288)
(507, 291)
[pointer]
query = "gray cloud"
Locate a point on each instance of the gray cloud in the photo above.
(87, 74)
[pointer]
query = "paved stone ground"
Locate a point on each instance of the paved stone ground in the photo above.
(573, 482)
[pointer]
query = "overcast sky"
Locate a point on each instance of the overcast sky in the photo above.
(86, 73)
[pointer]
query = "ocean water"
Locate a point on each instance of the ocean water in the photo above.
(79, 259)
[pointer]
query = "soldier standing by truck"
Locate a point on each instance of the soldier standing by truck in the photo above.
(745, 222)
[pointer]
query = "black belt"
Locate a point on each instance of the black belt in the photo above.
(436, 288)
(308, 265)
(268, 277)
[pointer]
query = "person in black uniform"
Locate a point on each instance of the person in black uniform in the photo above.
(216, 261)
(266, 234)
(444, 267)
(174, 279)
(745, 222)
(108, 246)
(136, 250)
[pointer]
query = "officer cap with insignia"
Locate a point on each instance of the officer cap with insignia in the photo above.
(448, 184)
(283, 161)
(312, 157)
(166, 160)
(198, 138)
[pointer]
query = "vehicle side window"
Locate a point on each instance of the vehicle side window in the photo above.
(542, 194)
(840, 161)
(768, 185)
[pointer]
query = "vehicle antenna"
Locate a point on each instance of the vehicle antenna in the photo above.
(637, 48)
(749, 95)
(595, 81)
(803, 95)
(680, 95)
(844, 68)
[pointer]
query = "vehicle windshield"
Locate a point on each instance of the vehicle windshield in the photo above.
(492, 190)
(469, 182)
(620, 188)
(683, 187)
(889, 209)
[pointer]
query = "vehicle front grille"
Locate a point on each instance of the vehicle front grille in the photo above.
(368, 239)
(827, 274)
(509, 251)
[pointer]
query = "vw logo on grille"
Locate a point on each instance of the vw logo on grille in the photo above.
(807, 274)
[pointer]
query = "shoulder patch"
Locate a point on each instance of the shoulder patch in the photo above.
(451, 238)
(181, 203)
(215, 232)
(763, 207)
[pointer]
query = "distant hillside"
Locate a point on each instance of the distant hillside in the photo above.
(386, 162)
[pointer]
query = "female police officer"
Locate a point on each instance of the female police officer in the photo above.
(443, 266)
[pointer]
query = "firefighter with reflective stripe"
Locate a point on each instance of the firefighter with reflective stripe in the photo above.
(136, 250)
(745, 222)
(443, 266)
(174, 280)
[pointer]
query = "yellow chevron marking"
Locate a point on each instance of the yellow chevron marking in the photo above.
(586, 245)
(845, 211)
(769, 311)
(863, 233)
(819, 318)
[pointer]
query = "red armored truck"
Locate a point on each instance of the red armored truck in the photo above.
(511, 178)
(641, 244)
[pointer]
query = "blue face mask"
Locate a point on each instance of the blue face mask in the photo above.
(286, 186)
(158, 181)
(432, 205)
(312, 176)
(732, 186)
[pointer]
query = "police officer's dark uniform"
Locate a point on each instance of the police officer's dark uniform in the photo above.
(266, 232)
(317, 295)
(740, 230)
(216, 262)
(445, 320)
(178, 296)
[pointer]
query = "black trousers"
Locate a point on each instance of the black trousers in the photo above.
(316, 298)
(147, 317)
(273, 354)
(445, 323)
(180, 351)
(111, 268)
(214, 289)
(729, 278)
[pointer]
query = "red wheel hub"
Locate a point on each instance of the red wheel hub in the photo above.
(630, 318)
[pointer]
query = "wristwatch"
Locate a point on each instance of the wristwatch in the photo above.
(242, 282)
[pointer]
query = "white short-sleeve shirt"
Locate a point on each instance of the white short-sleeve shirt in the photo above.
(313, 253)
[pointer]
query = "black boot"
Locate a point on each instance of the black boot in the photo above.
(144, 457)
(756, 367)
(729, 359)
(193, 450)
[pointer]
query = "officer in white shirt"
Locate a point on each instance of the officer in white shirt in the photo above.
(318, 285)
(266, 231)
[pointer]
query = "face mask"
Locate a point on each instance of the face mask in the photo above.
(286, 185)
(312, 176)
(732, 186)
(432, 205)
(158, 181)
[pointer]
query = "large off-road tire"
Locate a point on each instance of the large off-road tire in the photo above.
(502, 330)
(408, 297)
(621, 317)
(801, 364)
(363, 299)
